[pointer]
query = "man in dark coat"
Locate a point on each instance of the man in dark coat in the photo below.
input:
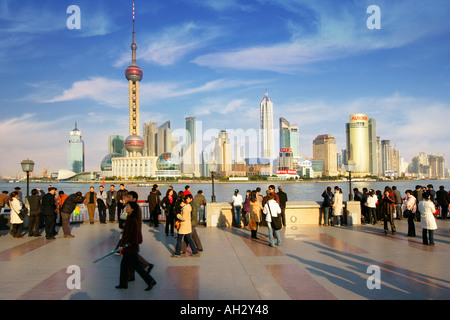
(121, 202)
(129, 246)
(66, 210)
(398, 202)
(49, 212)
(111, 203)
(443, 199)
(34, 202)
(283, 199)
(154, 206)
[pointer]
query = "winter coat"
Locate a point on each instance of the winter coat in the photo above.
(388, 207)
(49, 205)
(15, 206)
(35, 203)
(247, 207)
(327, 199)
(185, 219)
(427, 219)
(338, 206)
(371, 201)
(255, 212)
(271, 209)
(132, 235)
(71, 203)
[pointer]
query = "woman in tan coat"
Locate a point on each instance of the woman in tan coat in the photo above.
(255, 212)
(185, 229)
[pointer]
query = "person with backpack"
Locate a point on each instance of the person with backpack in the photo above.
(327, 204)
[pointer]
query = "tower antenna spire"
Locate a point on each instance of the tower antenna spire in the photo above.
(133, 45)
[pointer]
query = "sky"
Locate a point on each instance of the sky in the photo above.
(214, 60)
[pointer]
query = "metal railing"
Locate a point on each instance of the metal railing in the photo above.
(84, 215)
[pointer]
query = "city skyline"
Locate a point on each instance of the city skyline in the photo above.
(213, 60)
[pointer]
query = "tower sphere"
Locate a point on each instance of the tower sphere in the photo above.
(134, 143)
(134, 73)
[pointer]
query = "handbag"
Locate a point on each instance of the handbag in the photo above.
(276, 221)
(252, 224)
(177, 224)
(407, 213)
(23, 212)
(123, 214)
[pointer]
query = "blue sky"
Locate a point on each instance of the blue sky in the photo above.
(214, 60)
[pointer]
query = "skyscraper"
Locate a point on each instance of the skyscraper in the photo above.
(289, 137)
(373, 154)
(191, 165)
(266, 116)
(116, 145)
(358, 143)
(325, 149)
(150, 138)
(295, 146)
(285, 134)
(75, 151)
(222, 154)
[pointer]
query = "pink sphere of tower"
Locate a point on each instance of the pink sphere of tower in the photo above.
(134, 144)
(134, 73)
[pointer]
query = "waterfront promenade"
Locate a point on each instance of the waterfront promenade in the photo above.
(313, 263)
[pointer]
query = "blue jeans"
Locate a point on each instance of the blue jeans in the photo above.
(201, 213)
(326, 214)
(188, 239)
(237, 215)
(277, 234)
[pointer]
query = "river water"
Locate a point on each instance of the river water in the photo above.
(296, 191)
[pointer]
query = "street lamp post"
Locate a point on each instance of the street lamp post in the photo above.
(27, 166)
(350, 168)
(213, 169)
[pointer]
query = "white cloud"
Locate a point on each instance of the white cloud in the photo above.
(114, 93)
(105, 91)
(338, 33)
(172, 44)
(26, 137)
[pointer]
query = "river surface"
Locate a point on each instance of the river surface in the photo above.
(296, 191)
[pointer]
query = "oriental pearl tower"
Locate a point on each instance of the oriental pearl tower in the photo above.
(134, 143)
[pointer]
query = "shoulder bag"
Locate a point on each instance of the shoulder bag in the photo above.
(276, 221)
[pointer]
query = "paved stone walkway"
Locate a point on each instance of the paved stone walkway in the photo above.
(313, 263)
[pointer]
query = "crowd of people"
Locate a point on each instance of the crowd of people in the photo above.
(422, 205)
(183, 212)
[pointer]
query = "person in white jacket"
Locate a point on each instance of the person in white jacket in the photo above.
(427, 219)
(272, 211)
(237, 202)
(16, 222)
(338, 206)
(371, 204)
(409, 212)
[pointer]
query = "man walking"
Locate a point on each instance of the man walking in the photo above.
(194, 235)
(121, 202)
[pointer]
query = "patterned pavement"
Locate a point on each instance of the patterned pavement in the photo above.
(313, 263)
